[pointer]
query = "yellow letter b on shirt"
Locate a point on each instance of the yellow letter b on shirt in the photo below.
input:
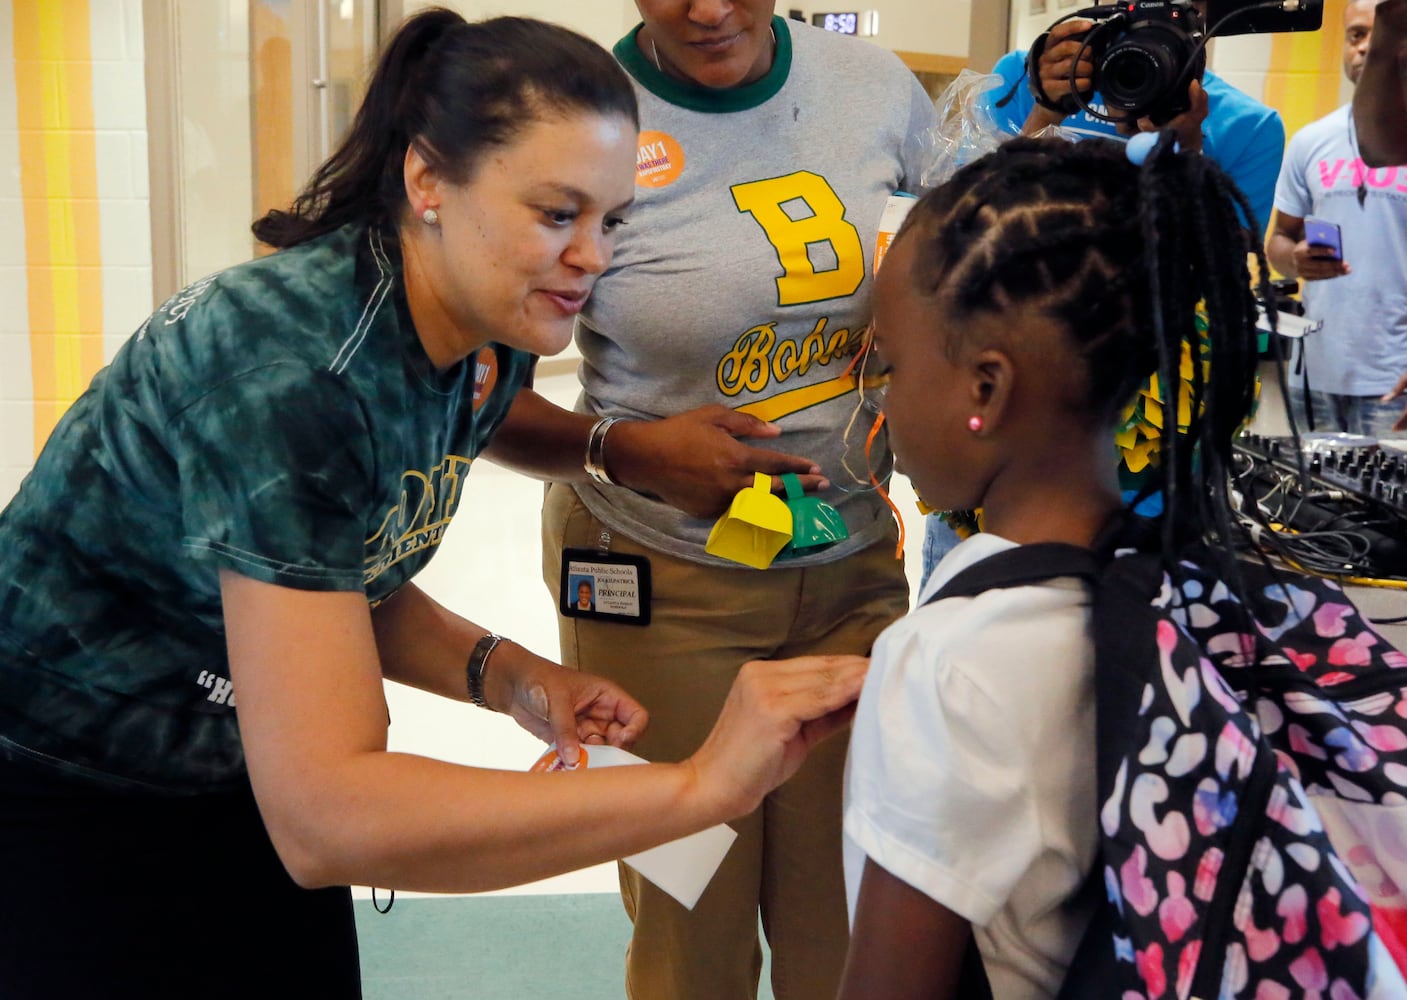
(793, 239)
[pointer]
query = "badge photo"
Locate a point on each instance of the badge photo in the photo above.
(605, 586)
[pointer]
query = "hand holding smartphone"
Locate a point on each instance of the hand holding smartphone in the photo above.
(1321, 234)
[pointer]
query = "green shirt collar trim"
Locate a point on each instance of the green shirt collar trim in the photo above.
(707, 99)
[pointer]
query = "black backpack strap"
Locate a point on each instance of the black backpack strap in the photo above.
(1021, 566)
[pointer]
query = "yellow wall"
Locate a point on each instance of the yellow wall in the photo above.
(1305, 76)
(59, 190)
(75, 220)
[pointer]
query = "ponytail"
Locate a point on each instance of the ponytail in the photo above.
(455, 89)
(1192, 221)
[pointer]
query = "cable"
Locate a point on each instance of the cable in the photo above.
(1342, 553)
(1333, 554)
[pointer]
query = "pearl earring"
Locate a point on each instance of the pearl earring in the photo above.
(974, 423)
(430, 217)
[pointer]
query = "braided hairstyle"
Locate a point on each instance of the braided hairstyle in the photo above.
(1119, 256)
(455, 89)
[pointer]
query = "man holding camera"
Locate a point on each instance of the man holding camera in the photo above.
(1351, 259)
(1245, 137)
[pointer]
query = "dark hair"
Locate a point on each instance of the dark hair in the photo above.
(1121, 256)
(455, 89)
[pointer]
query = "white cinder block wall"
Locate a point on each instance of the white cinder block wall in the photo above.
(16, 387)
(119, 111)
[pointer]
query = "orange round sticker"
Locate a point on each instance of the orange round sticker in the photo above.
(659, 160)
(551, 762)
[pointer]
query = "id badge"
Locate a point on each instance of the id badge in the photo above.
(605, 587)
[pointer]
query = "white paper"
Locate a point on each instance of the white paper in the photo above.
(1287, 324)
(683, 867)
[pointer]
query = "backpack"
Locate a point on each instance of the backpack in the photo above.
(1252, 778)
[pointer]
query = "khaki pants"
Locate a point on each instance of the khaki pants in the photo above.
(786, 863)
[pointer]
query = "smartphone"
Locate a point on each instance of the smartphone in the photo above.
(1324, 234)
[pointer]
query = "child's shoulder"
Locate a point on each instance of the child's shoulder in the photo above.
(994, 645)
(972, 617)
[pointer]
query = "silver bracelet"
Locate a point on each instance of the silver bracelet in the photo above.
(474, 669)
(595, 461)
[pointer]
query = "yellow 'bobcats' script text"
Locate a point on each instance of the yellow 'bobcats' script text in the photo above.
(759, 358)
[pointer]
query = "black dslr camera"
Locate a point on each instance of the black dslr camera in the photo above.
(1146, 53)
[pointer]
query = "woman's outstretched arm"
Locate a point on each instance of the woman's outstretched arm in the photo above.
(342, 809)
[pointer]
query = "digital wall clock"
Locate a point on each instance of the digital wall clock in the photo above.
(854, 22)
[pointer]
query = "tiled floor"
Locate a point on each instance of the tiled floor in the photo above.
(507, 948)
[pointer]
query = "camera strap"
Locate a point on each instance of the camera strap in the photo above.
(1066, 105)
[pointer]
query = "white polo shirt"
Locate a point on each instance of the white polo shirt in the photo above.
(972, 774)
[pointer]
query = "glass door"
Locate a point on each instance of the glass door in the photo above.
(244, 99)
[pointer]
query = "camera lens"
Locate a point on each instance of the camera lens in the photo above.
(1139, 69)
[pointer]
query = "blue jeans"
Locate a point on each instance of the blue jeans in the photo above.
(938, 540)
(1333, 411)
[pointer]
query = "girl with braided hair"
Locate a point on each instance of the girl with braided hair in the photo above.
(1018, 311)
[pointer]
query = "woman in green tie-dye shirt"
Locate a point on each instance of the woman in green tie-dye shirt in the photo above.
(208, 573)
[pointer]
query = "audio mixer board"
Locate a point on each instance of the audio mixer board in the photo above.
(1347, 483)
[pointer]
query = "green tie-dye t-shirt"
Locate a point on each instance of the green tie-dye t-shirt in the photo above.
(279, 419)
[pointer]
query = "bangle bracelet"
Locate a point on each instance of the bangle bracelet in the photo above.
(595, 462)
(474, 669)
